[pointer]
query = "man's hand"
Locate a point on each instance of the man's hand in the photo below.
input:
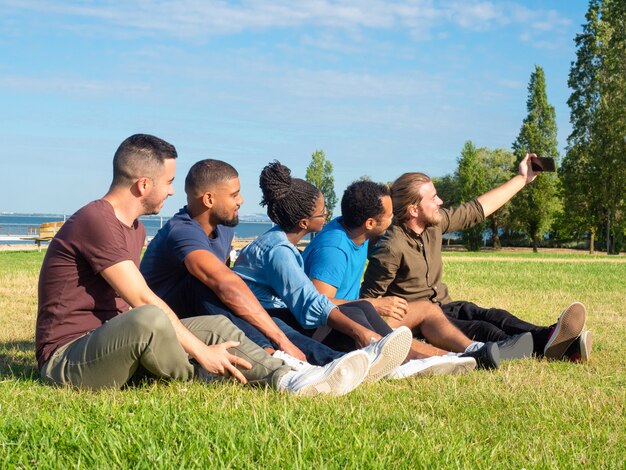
(391, 306)
(291, 349)
(217, 360)
(525, 168)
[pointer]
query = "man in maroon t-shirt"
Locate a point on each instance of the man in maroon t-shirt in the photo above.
(98, 323)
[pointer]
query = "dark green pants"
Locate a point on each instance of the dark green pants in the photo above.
(144, 337)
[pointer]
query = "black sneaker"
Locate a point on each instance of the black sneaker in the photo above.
(580, 350)
(487, 357)
(516, 347)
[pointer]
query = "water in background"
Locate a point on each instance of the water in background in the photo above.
(24, 225)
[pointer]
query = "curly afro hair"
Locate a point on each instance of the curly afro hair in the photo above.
(362, 200)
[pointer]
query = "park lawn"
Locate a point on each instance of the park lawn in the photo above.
(528, 414)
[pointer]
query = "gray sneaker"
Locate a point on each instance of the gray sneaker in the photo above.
(568, 328)
(388, 353)
(516, 347)
(336, 378)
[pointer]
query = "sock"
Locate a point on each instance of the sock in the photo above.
(475, 346)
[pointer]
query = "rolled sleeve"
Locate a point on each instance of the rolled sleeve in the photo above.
(462, 217)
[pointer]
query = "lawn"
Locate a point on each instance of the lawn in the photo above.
(527, 414)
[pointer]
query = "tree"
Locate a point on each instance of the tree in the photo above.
(471, 184)
(320, 173)
(577, 171)
(498, 166)
(480, 170)
(534, 208)
(594, 169)
(608, 145)
(447, 189)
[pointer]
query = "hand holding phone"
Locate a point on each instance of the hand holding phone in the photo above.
(542, 164)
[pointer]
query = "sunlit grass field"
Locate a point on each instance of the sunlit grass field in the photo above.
(527, 414)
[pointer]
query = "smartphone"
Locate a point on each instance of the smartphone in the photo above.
(542, 164)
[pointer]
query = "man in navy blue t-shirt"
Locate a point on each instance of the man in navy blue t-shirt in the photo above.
(185, 264)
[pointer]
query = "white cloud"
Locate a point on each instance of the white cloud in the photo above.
(199, 19)
(74, 86)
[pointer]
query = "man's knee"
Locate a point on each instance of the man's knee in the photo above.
(425, 310)
(148, 319)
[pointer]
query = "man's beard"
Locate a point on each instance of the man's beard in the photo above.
(232, 222)
(432, 221)
(149, 208)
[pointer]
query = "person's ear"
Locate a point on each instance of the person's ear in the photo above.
(143, 185)
(208, 199)
(303, 224)
(370, 223)
(414, 210)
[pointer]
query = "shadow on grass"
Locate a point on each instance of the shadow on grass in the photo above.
(17, 362)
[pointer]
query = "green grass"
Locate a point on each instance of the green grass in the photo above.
(528, 414)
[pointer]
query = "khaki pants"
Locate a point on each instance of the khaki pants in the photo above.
(144, 337)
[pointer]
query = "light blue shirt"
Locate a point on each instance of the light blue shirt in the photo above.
(274, 271)
(332, 257)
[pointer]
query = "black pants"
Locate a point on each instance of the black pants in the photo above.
(360, 311)
(493, 324)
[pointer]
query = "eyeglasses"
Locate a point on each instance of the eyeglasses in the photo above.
(323, 214)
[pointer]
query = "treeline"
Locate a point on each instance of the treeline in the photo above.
(583, 204)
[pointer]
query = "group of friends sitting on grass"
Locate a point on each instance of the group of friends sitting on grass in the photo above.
(365, 301)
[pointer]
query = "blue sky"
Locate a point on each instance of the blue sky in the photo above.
(381, 87)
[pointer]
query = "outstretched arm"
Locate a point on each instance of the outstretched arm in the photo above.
(130, 285)
(497, 197)
(236, 295)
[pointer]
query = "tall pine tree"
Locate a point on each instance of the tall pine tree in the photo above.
(534, 208)
(608, 145)
(472, 183)
(577, 170)
(594, 170)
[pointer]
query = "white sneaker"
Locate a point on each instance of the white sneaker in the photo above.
(388, 353)
(336, 378)
(436, 365)
(295, 364)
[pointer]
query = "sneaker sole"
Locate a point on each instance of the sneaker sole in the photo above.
(522, 347)
(461, 365)
(345, 374)
(568, 328)
(393, 354)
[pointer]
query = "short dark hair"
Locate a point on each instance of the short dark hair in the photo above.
(140, 155)
(362, 200)
(288, 199)
(207, 173)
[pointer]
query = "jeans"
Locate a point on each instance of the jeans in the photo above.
(193, 298)
(493, 324)
(143, 340)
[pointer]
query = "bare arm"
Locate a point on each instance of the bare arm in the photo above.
(128, 282)
(328, 290)
(391, 306)
(236, 295)
(497, 197)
